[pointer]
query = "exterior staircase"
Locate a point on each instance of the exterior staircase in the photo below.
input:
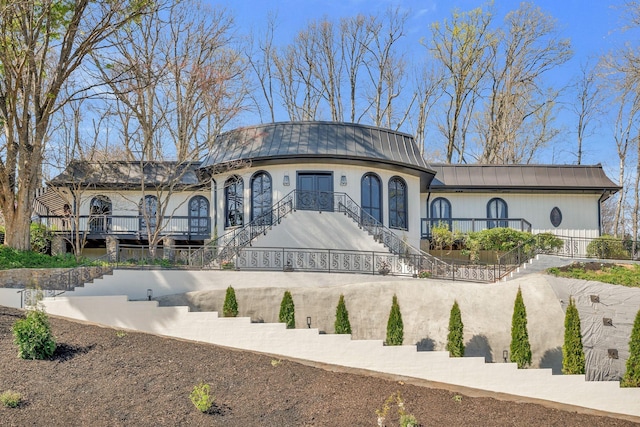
(538, 264)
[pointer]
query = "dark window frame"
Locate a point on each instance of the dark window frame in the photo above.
(199, 224)
(367, 177)
(265, 215)
(396, 214)
(234, 212)
(498, 202)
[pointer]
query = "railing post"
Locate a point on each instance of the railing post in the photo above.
(329, 259)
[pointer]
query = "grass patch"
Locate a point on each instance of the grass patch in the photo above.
(616, 274)
(11, 258)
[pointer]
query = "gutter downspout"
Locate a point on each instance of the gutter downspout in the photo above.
(600, 200)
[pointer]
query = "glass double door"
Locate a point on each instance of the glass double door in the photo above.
(315, 191)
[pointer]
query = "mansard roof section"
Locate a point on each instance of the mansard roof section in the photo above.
(522, 178)
(316, 140)
(130, 174)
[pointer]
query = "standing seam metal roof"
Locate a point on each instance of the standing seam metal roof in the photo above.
(316, 140)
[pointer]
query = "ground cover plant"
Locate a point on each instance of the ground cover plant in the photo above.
(12, 258)
(99, 378)
(616, 274)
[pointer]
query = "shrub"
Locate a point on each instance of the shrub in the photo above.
(395, 327)
(441, 236)
(424, 274)
(33, 336)
(287, 311)
(11, 399)
(40, 238)
(342, 324)
(631, 376)
(230, 307)
(201, 398)
(455, 338)
(547, 242)
(520, 347)
(607, 247)
(572, 352)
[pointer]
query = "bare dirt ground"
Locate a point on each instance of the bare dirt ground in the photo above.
(104, 377)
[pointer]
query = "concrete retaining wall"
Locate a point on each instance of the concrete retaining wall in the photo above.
(308, 344)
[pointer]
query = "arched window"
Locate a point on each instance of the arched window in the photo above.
(371, 196)
(100, 214)
(440, 208)
(199, 216)
(148, 211)
(497, 208)
(398, 203)
(234, 201)
(261, 198)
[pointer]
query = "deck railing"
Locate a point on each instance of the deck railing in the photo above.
(468, 225)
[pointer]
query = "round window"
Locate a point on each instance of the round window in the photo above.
(556, 216)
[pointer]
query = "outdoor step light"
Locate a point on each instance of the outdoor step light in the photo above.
(595, 298)
(613, 353)
(505, 355)
(309, 322)
(149, 294)
(607, 321)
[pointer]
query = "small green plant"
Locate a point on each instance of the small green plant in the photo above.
(457, 398)
(33, 336)
(631, 376)
(40, 238)
(607, 247)
(275, 362)
(11, 399)
(228, 265)
(405, 419)
(573, 362)
(121, 334)
(342, 324)
(424, 274)
(395, 327)
(287, 311)
(201, 398)
(230, 307)
(520, 347)
(455, 338)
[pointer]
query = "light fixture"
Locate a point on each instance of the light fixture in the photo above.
(343, 180)
(149, 294)
(505, 355)
(309, 322)
(285, 180)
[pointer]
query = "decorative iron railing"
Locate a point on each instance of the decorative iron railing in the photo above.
(469, 225)
(513, 259)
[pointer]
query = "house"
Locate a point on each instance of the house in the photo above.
(255, 176)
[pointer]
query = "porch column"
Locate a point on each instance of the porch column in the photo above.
(58, 245)
(168, 246)
(111, 243)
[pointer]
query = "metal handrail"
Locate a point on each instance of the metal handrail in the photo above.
(467, 225)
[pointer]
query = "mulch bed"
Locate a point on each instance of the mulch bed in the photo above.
(103, 377)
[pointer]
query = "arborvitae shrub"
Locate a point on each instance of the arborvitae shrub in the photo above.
(395, 327)
(455, 338)
(520, 347)
(342, 324)
(33, 336)
(572, 351)
(287, 311)
(230, 307)
(631, 377)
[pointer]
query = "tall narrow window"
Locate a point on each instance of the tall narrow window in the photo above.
(199, 216)
(371, 198)
(497, 208)
(441, 212)
(261, 198)
(100, 214)
(398, 203)
(148, 211)
(234, 201)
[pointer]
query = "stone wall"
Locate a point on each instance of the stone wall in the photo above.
(49, 278)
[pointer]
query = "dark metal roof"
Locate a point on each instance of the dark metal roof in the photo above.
(522, 178)
(316, 140)
(129, 174)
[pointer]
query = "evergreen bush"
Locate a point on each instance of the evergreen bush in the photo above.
(230, 307)
(395, 327)
(607, 247)
(572, 352)
(631, 376)
(342, 324)
(33, 336)
(455, 338)
(520, 347)
(287, 311)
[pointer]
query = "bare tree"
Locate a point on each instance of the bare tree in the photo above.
(516, 120)
(43, 44)
(586, 106)
(463, 46)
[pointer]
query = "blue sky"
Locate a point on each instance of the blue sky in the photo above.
(594, 27)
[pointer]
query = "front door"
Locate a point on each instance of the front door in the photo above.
(315, 191)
